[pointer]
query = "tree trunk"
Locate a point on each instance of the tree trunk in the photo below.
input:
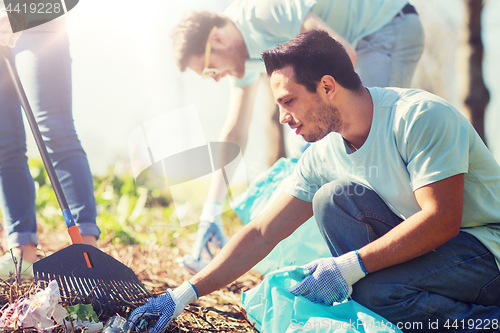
(477, 95)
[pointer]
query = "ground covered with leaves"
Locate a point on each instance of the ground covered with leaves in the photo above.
(137, 230)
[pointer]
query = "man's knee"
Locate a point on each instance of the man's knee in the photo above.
(336, 193)
(324, 198)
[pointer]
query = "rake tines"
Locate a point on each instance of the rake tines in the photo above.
(97, 285)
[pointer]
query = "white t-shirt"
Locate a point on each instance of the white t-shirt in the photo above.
(415, 139)
(264, 24)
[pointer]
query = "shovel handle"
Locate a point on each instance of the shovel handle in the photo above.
(76, 238)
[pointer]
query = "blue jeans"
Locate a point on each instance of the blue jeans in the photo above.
(388, 57)
(457, 281)
(44, 65)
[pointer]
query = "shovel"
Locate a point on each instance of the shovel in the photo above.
(85, 275)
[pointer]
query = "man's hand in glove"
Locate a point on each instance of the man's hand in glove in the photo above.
(331, 279)
(163, 308)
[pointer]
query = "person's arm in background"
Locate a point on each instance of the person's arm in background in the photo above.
(274, 129)
(313, 21)
(234, 130)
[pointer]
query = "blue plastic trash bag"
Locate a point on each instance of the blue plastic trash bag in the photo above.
(275, 310)
(304, 245)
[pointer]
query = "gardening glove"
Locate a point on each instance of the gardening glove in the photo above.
(209, 231)
(330, 279)
(163, 308)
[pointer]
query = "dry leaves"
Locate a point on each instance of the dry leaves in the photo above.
(156, 267)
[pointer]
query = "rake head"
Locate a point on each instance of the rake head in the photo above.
(110, 286)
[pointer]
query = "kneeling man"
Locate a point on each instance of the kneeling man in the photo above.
(404, 191)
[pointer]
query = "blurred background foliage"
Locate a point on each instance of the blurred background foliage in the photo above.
(126, 213)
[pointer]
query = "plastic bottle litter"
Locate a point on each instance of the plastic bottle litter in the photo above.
(116, 324)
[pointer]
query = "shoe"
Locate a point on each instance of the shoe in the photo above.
(192, 265)
(8, 270)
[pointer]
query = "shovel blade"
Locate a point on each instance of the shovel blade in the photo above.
(110, 286)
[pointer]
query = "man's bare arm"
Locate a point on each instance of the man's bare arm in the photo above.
(235, 130)
(274, 130)
(252, 243)
(437, 222)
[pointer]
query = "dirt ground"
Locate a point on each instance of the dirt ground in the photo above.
(157, 269)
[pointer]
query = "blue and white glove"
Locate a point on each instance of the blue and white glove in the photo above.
(330, 279)
(209, 231)
(163, 308)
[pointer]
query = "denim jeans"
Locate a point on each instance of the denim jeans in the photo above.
(388, 57)
(455, 286)
(44, 65)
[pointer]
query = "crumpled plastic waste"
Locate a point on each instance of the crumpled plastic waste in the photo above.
(274, 309)
(116, 324)
(42, 309)
(35, 311)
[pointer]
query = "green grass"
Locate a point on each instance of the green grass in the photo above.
(126, 213)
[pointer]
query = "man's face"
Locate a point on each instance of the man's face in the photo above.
(306, 112)
(227, 59)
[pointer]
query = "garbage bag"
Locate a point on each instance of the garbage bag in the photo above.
(302, 246)
(275, 310)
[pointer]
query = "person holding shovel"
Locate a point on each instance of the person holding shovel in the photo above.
(44, 65)
(383, 38)
(404, 191)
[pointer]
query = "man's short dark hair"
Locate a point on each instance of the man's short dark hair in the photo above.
(190, 35)
(312, 55)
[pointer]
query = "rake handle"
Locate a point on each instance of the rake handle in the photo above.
(73, 231)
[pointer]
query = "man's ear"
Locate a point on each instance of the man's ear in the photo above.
(217, 39)
(328, 86)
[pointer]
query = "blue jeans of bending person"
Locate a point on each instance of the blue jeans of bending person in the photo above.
(44, 65)
(455, 286)
(388, 57)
